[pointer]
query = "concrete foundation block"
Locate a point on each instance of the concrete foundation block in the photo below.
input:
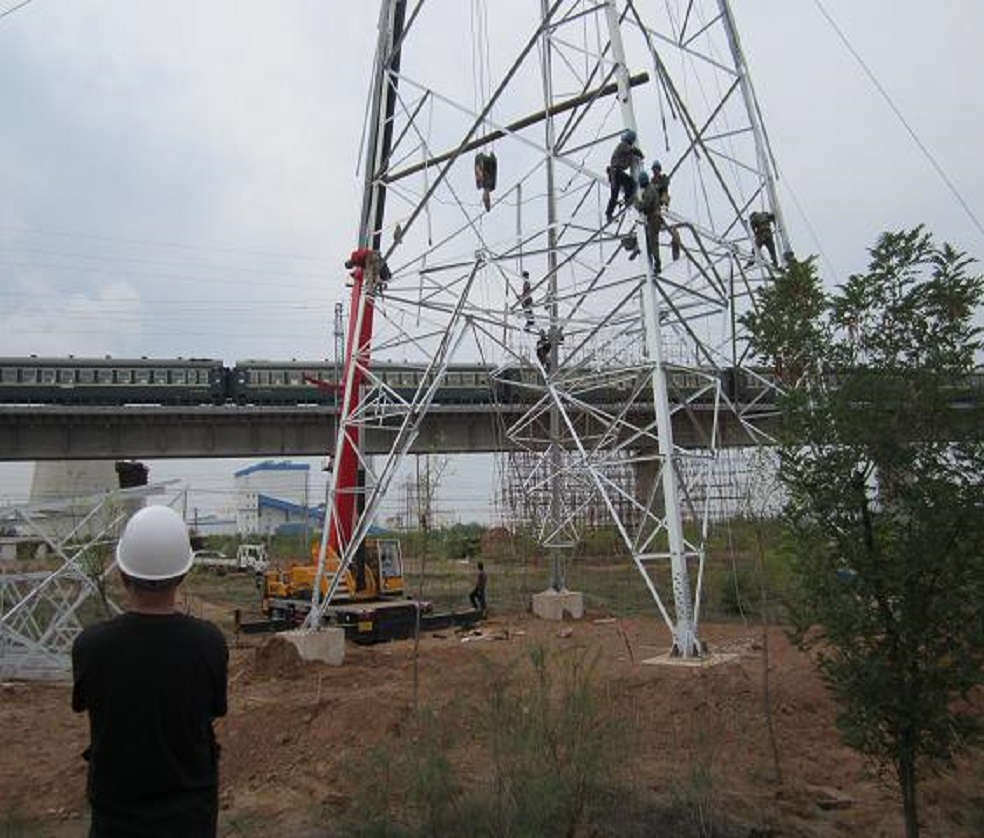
(326, 645)
(558, 605)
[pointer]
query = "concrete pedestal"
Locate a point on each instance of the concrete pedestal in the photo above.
(326, 645)
(558, 605)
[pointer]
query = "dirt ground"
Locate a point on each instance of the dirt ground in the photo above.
(293, 730)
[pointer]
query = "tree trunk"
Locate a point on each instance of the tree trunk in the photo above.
(766, 690)
(907, 785)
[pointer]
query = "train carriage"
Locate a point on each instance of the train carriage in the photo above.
(278, 383)
(319, 382)
(111, 381)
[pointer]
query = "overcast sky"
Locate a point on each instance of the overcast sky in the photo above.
(179, 178)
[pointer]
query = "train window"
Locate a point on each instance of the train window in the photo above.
(160, 377)
(104, 376)
(29, 376)
(87, 375)
(66, 376)
(180, 376)
(48, 376)
(9, 375)
(141, 376)
(294, 378)
(454, 379)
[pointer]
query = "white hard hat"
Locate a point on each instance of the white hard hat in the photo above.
(154, 545)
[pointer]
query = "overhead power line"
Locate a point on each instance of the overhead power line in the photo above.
(155, 242)
(13, 9)
(898, 113)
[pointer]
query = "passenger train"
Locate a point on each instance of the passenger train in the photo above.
(202, 381)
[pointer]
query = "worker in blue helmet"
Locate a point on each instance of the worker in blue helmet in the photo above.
(620, 176)
(648, 204)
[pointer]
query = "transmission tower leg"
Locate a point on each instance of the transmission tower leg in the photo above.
(685, 642)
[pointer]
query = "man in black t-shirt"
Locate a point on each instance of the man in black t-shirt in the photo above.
(152, 680)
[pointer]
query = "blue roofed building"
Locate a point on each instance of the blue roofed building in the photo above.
(272, 495)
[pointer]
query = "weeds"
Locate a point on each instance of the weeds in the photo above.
(547, 746)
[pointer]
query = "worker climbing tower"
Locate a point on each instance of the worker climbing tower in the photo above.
(487, 164)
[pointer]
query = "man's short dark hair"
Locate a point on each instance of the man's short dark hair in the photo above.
(151, 584)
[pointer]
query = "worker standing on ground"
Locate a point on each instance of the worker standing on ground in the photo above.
(620, 175)
(761, 223)
(477, 596)
(152, 680)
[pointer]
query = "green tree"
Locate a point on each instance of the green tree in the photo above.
(884, 478)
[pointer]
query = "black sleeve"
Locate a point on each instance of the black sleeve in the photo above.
(220, 687)
(79, 703)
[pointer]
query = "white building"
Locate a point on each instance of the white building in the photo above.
(272, 494)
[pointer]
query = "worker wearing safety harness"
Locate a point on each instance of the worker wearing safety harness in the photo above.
(651, 203)
(662, 183)
(152, 680)
(620, 175)
(761, 224)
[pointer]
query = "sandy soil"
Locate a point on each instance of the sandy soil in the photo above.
(293, 731)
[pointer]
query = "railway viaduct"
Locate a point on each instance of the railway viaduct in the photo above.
(49, 432)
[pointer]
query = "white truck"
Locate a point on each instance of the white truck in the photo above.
(252, 557)
(249, 557)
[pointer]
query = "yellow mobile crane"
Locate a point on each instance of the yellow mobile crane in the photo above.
(369, 601)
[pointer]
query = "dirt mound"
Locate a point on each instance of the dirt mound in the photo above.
(276, 658)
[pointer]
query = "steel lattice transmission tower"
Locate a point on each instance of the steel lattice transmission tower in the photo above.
(629, 354)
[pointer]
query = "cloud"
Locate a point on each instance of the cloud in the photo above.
(108, 321)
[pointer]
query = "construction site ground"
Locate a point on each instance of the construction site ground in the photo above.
(295, 731)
